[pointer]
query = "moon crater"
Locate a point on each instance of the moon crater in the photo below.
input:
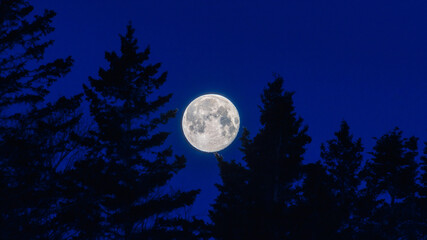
(210, 122)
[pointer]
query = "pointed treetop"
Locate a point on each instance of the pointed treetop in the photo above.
(277, 102)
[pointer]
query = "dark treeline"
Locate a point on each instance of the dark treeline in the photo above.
(272, 195)
(67, 177)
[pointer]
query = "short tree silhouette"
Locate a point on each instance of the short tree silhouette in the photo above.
(391, 183)
(316, 214)
(342, 157)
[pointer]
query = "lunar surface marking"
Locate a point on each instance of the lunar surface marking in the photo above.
(210, 123)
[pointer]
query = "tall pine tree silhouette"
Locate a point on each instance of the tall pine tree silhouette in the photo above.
(273, 160)
(118, 186)
(33, 134)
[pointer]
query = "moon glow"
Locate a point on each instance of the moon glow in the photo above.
(210, 123)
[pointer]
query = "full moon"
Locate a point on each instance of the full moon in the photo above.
(210, 122)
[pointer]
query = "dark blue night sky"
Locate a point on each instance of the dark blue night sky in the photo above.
(359, 61)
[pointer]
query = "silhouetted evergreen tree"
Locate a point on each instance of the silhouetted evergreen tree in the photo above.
(391, 184)
(33, 142)
(230, 213)
(273, 167)
(317, 213)
(342, 157)
(119, 187)
(423, 177)
(327, 207)
(415, 224)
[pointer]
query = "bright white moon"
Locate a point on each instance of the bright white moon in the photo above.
(210, 123)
